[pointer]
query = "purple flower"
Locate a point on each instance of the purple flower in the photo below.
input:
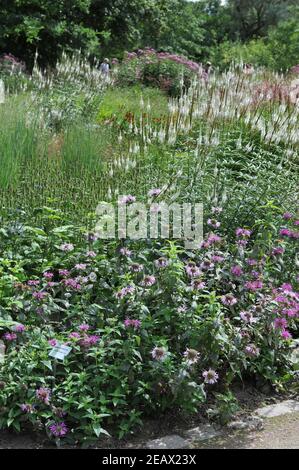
(43, 394)
(161, 263)
(19, 328)
(64, 272)
(217, 210)
(251, 262)
(210, 376)
(80, 266)
(67, 247)
(285, 232)
(148, 281)
(74, 335)
(131, 322)
(197, 284)
(27, 408)
(280, 323)
(236, 270)
(206, 265)
(125, 291)
(279, 250)
(154, 192)
(191, 356)
(287, 215)
(48, 275)
(251, 350)
(214, 223)
(58, 429)
(125, 251)
(136, 268)
(40, 295)
(247, 317)
(88, 341)
(228, 300)
(192, 270)
(33, 282)
(243, 233)
(84, 327)
(254, 285)
(52, 342)
(10, 336)
(286, 334)
(127, 199)
(217, 258)
(91, 254)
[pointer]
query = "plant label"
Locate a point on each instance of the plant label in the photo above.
(60, 351)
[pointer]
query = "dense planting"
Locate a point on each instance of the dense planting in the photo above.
(151, 326)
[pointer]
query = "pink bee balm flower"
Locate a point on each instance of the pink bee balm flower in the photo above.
(127, 199)
(254, 285)
(280, 323)
(192, 270)
(80, 266)
(91, 254)
(251, 350)
(286, 334)
(84, 327)
(247, 317)
(43, 394)
(58, 429)
(210, 376)
(33, 282)
(228, 300)
(287, 215)
(148, 281)
(236, 270)
(10, 336)
(279, 250)
(154, 192)
(125, 251)
(243, 233)
(52, 342)
(213, 223)
(48, 275)
(63, 272)
(19, 328)
(191, 356)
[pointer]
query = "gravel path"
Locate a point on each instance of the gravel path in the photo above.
(281, 432)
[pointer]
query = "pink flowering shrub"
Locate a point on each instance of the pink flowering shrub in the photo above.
(162, 69)
(150, 326)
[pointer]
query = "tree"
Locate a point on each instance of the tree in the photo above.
(44, 25)
(252, 19)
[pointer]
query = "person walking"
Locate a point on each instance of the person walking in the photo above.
(105, 68)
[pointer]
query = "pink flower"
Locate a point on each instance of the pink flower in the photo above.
(280, 323)
(127, 199)
(253, 285)
(10, 336)
(210, 376)
(63, 272)
(154, 192)
(91, 254)
(131, 322)
(125, 251)
(192, 270)
(58, 429)
(191, 356)
(52, 342)
(286, 334)
(48, 275)
(251, 350)
(243, 233)
(19, 328)
(279, 250)
(228, 300)
(80, 266)
(214, 223)
(236, 270)
(148, 281)
(43, 394)
(287, 215)
(84, 327)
